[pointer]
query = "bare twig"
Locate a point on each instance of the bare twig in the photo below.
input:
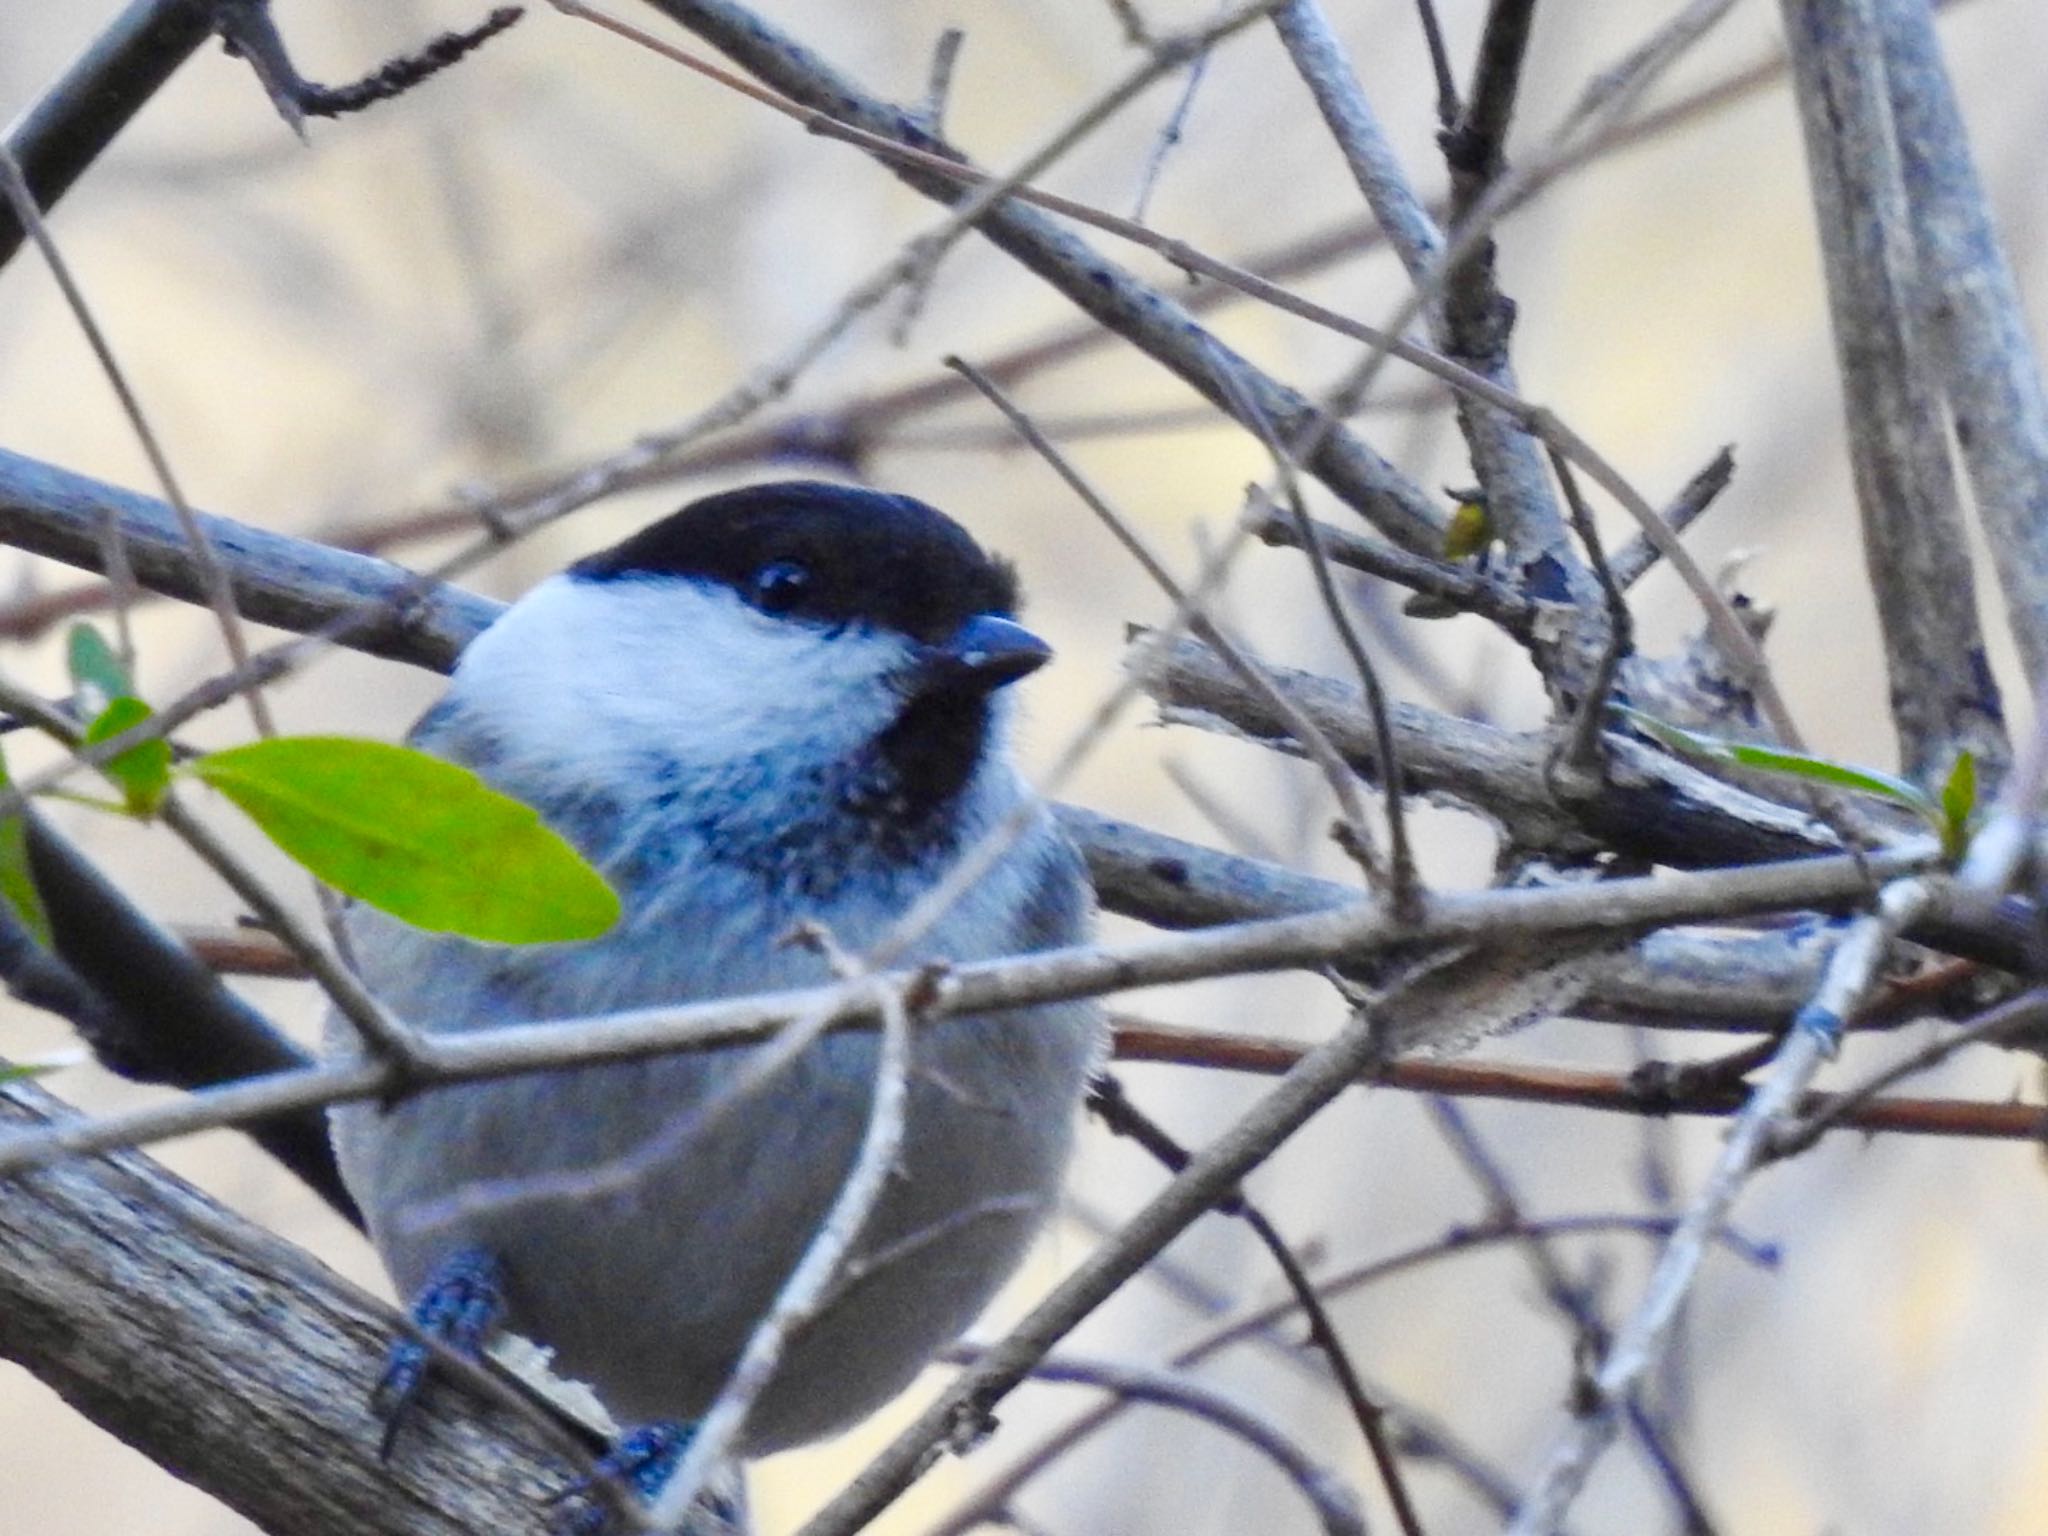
(1402, 880)
(1312, 939)
(1336, 772)
(1639, 1343)
(1335, 1506)
(1635, 559)
(2020, 1016)
(1169, 135)
(1582, 753)
(1439, 63)
(1475, 336)
(804, 1292)
(212, 574)
(250, 31)
(1651, 1095)
(1943, 698)
(1109, 1101)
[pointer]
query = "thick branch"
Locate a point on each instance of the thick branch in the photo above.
(1982, 351)
(237, 1361)
(1942, 694)
(288, 583)
(298, 584)
(1652, 805)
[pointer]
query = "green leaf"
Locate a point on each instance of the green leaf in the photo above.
(42, 1066)
(17, 878)
(97, 674)
(1958, 804)
(1470, 531)
(1797, 765)
(417, 837)
(143, 772)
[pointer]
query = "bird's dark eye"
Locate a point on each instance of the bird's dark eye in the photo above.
(777, 587)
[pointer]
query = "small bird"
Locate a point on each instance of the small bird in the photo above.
(782, 706)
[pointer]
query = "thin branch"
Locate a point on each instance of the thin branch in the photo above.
(1335, 1506)
(804, 1292)
(1503, 458)
(1311, 940)
(1639, 1343)
(1170, 133)
(249, 31)
(1649, 1094)
(1336, 772)
(1582, 756)
(1855, 1105)
(1109, 1101)
(1402, 880)
(212, 574)
(1677, 979)
(1635, 559)
(1439, 63)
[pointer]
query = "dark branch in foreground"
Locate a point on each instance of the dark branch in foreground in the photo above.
(59, 137)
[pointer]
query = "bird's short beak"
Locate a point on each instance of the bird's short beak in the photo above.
(984, 654)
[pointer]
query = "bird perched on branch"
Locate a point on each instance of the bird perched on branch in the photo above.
(784, 705)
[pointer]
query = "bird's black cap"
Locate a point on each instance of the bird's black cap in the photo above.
(828, 553)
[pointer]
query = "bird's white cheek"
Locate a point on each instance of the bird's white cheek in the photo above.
(580, 668)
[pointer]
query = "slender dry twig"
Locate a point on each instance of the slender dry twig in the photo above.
(1582, 756)
(2021, 1015)
(1466, 317)
(1170, 131)
(1653, 1091)
(212, 574)
(805, 1291)
(1635, 559)
(1402, 879)
(1639, 1343)
(1113, 1105)
(1357, 838)
(1312, 939)
(1335, 1506)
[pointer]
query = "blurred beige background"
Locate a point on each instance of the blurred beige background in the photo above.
(567, 242)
